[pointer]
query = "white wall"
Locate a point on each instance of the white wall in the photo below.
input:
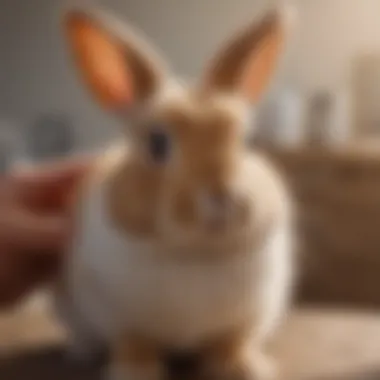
(36, 76)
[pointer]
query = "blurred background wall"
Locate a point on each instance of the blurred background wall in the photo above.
(36, 77)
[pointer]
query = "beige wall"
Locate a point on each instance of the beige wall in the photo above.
(331, 32)
(35, 75)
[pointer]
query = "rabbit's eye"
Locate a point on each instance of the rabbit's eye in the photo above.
(159, 145)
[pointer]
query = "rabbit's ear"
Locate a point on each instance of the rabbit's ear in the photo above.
(117, 67)
(247, 62)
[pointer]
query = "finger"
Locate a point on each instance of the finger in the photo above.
(6, 193)
(6, 265)
(12, 277)
(24, 273)
(49, 183)
(53, 171)
(15, 288)
(30, 232)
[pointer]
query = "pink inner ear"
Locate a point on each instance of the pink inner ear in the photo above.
(260, 66)
(102, 61)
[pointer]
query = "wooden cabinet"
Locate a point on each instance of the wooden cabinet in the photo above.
(337, 197)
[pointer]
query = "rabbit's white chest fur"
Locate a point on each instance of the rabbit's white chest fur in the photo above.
(117, 283)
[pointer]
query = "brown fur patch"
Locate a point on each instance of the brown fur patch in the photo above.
(133, 193)
(208, 142)
(207, 137)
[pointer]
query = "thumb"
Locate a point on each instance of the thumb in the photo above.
(31, 232)
(49, 183)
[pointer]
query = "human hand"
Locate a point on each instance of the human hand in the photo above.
(35, 225)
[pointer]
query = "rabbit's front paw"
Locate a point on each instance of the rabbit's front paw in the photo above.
(256, 366)
(123, 372)
(263, 366)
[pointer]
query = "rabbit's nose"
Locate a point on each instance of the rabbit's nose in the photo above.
(217, 207)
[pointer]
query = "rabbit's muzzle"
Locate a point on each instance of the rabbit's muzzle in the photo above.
(220, 209)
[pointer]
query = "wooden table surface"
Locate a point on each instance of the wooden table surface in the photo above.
(315, 344)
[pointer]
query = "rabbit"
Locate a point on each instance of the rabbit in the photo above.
(183, 238)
